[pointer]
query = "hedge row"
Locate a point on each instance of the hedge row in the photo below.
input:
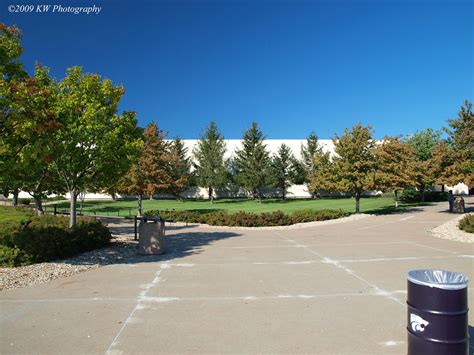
(49, 238)
(246, 219)
(467, 223)
(412, 195)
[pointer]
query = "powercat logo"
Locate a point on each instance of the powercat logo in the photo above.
(417, 323)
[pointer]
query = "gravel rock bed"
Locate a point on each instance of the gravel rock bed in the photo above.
(120, 249)
(451, 231)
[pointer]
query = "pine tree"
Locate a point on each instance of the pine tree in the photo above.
(283, 169)
(353, 162)
(210, 167)
(252, 163)
(180, 166)
(395, 165)
(308, 154)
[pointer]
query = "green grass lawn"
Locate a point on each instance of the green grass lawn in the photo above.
(9, 215)
(126, 208)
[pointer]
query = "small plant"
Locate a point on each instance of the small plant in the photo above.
(467, 223)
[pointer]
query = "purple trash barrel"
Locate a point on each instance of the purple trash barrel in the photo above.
(437, 313)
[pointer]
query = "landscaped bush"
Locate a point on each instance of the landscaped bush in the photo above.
(247, 219)
(467, 224)
(48, 238)
(413, 195)
(24, 201)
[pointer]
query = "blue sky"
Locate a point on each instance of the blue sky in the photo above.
(292, 66)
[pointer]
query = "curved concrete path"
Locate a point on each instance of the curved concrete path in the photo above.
(338, 288)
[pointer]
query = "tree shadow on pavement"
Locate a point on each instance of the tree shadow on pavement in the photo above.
(178, 245)
(403, 209)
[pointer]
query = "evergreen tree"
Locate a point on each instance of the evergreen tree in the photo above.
(180, 166)
(252, 163)
(210, 168)
(353, 162)
(395, 165)
(284, 169)
(308, 154)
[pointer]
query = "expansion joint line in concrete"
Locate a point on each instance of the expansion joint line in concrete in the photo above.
(377, 290)
(141, 296)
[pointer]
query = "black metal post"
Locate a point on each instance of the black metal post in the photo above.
(135, 226)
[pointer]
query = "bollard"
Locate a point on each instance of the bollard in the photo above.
(437, 313)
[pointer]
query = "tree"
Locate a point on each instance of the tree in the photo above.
(395, 165)
(97, 144)
(455, 158)
(209, 165)
(180, 167)
(423, 144)
(155, 161)
(354, 162)
(133, 183)
(252, 163)
(284, 169)
(32, 126)
(322, 177)
(308, 154)
(12, 73)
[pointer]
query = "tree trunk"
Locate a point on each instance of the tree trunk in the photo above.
(15, 198)
(283, 193)
(139, 205)
(151, 197)
(396, 198)
(38, 206)
(422, 194)
(73, 208)
(211, 194)
(114, 196)
(357, 198)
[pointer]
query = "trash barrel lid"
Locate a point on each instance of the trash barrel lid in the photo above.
(447, 280)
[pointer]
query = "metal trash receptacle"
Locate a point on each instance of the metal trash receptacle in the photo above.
(437, 312)
(151, 236)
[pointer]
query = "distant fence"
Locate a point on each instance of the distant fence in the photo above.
(103, 211)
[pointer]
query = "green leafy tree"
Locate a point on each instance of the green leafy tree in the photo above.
(395, 165)
(309, 151)
(133, 183)
(284, 169)
(12, 74)
(353, 162)
(209, 164)
(252, 163)
(97, 144)
(180, 168)
(35, 124)
(323, 175)
(423, 143)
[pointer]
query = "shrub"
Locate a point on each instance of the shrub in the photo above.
(247, 219)
(48, 238)
(467, 223)
(413, 195)
(24, 201)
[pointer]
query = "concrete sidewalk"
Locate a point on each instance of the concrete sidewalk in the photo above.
(337, 288)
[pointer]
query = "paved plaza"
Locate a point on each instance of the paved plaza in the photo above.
(336, 288)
